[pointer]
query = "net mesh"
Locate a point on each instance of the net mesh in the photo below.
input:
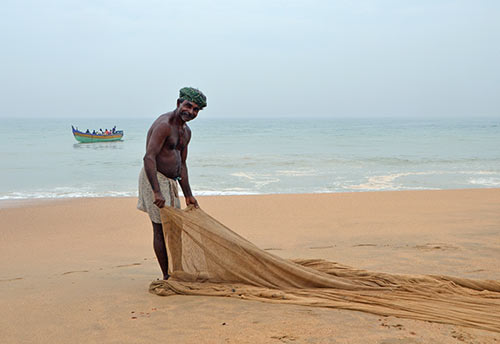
(207, 258)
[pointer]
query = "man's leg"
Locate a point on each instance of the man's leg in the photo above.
(160, 248)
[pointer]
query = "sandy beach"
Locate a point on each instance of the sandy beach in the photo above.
(78, 270)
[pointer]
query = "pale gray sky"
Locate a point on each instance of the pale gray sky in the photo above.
(251, 58)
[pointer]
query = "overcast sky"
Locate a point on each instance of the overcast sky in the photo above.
(251, 58)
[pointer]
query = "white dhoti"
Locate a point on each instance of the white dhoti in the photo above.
(168, 188)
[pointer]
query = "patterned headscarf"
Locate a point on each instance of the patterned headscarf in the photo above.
(193, 95)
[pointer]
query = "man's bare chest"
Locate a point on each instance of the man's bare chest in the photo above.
(176, 141)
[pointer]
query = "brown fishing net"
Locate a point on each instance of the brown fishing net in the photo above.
(207, 258)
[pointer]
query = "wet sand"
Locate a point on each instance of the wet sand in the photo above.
(79, 270)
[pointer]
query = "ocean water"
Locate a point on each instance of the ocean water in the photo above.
(39, 158)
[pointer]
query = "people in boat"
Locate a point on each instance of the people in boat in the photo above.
(100, 131)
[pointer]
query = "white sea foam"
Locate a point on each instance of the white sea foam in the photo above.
(388, 182)
(242, 175)
(385, 182)
(68, 194)
(296, 173)
(258, 180)
(482, 172)
(224, 193)
(485, 181)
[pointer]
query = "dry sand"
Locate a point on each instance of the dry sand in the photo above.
(79, 270)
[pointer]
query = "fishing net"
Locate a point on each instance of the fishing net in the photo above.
(207, 258)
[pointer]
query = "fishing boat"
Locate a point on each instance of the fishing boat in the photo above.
(90, 137)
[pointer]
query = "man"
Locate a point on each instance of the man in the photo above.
(165, 165)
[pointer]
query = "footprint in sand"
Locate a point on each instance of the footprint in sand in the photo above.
(396, 326)
(320, 247)
(73, 272)
(127, 265)
(136, 315)
(285, 338)
(436, 246)
(364, 245)
(11, 279)
(400, 341)
(462, 336)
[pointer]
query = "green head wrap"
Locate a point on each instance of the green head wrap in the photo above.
(193, 95)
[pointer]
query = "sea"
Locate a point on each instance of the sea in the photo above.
(39, 158)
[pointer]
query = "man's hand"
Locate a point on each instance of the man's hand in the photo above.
(159, 200)
(191, 200)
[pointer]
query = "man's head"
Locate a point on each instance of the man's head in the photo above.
(190, 102)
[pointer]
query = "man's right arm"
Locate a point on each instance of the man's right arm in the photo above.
(158, 136)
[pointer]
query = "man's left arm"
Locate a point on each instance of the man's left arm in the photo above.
(184, 182)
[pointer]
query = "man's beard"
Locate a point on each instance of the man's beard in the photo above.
(186, 116)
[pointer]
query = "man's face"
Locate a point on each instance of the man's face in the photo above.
(188, 110)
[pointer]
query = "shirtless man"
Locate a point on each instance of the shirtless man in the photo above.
(165, 165)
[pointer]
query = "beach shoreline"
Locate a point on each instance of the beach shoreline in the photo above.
(22, 202)
(78, 269)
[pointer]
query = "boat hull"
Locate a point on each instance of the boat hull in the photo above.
(89, 138)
